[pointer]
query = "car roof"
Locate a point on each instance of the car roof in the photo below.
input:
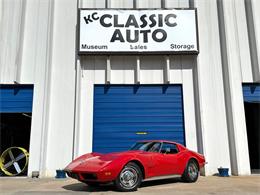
(158, 141)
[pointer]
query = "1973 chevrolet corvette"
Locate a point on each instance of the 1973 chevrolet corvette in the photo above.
(146, 160)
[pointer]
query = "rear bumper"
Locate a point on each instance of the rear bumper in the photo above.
(202, 164)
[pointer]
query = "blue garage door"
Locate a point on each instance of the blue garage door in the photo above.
(16, 98)
(124, 114)
(251, 93)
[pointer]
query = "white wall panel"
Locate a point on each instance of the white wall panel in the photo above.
(11, 31)
(175, 69)
(100, 69)
(120, 3)
(123, 69)
(34, 45)
(176, 3)
(256, 18)
(32, 28)
(85, 130)
(171, 3)
(148, 3)
(243, 43)
(92, 3)
(183, 4)
(152, 69)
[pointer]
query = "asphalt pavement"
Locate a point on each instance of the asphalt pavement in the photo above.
(211, 185)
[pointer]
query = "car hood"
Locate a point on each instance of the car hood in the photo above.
(93, 162)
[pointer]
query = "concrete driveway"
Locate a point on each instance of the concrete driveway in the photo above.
(205, 185)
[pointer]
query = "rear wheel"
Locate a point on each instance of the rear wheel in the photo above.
(191, 172)
(129, 178)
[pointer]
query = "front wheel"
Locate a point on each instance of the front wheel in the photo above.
(191, 172)
(129, 178)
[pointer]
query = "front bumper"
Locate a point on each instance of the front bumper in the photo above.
(100, 176)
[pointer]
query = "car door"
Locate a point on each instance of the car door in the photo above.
(168, 159)
(153, 156)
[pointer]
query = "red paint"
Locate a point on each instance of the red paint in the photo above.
(106, 167)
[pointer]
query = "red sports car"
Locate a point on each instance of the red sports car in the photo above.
(146, 160)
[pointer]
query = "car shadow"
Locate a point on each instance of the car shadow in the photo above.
(110, 187)
(84, 187)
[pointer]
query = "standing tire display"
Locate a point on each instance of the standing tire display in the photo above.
(14, 161)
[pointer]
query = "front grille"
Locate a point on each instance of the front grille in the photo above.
(89, 176)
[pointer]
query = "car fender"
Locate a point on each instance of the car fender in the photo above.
(118, 164)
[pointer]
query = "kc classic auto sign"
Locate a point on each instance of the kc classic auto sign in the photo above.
(137, 31)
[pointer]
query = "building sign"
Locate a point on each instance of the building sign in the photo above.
(137, 31)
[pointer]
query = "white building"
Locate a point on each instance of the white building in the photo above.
(88, 102)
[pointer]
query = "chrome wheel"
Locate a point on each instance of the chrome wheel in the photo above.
(129, 177)
(193, 171)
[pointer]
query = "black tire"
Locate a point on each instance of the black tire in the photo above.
(129, 178)
(191, 172)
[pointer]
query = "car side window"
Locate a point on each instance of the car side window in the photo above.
(169, 148)
(155, 147)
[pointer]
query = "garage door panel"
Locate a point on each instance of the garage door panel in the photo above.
(251, 92)
(141, 119)
(16, 98)
(127, 141)
(121, 89)
(136, 128)
(125, 114)
(143, 99)
(137, 105)
(153, 135)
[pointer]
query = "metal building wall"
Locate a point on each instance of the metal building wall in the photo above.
(38, 46)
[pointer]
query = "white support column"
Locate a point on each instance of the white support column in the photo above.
(76, 130)
(213, 134)
(234, 88)
(188, 102)
(137, 71)
(37, 53)
(63, 62)
(108, 71)
(256, 20)
(167, 76)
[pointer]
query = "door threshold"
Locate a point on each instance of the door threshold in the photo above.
(162, 177)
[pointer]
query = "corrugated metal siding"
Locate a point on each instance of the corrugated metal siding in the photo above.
(16, 98)
(122, 113)
(251, 92)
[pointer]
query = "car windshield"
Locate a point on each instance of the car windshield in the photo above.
(147, 146)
